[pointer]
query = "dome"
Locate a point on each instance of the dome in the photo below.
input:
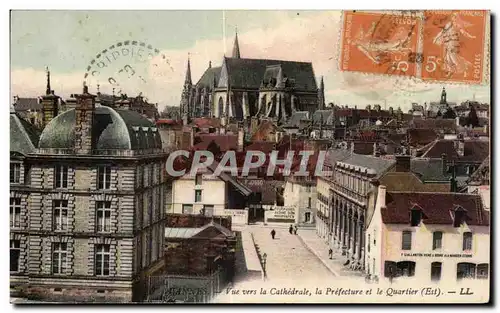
(112, 129)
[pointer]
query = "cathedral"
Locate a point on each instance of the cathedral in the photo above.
(243, 88)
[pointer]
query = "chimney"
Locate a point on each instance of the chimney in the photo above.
(241, 138)
(444, 165)
(50, 103)
(85, 108)
(403, 163)
(381, 196)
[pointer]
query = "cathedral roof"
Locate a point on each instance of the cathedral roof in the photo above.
(23, 135)
(207, 79)
(249, 73)
(112, 129)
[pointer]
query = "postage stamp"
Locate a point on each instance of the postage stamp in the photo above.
(379, 43)
(453, 46)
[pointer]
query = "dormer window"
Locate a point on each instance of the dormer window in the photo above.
(416, 216)
(459, 214)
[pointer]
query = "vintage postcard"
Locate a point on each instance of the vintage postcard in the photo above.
(250, 156)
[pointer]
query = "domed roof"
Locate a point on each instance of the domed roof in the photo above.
(112, 129)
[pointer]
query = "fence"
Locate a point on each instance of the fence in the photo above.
(185, 288)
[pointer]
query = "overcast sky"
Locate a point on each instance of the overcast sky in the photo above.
(67, 41)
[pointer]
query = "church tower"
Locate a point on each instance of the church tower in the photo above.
(321, 95)
(185, 104)
(443, 97)
(236, 48)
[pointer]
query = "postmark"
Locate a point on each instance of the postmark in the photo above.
(124, 65)
(453, 47)
(379, 43)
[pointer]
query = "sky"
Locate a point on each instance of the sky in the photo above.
(67, 41)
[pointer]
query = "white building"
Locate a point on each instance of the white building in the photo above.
(300, 193)
(211, 195)
(428, 236)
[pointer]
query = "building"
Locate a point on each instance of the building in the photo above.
(94, 215)
(440, 107)
(242, 88)
(300, 194)
(208, 194)
(429, 236)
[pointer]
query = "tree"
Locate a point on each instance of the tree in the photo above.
(449, 114)
(472, 119)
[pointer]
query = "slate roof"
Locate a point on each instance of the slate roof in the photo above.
(225, 142)
(249, 73)
(23, 135)
(483, 169)
(421, 136)
(379, 165)
(437, 207)
(112, 129)
(328, 118)
(434, 123)
(25, 104)
(190, 232)
(207, 79)
(335, 155)
(429, 169)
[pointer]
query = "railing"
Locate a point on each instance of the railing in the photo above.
(114, 152)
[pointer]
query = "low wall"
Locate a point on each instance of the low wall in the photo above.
(254, 268)
(238, 217)
(280, 215)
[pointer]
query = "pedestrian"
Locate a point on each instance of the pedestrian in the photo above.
(290, 229)
(273, 233)
(330, 253)
(295, 230)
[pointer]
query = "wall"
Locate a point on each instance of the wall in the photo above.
(213, 193)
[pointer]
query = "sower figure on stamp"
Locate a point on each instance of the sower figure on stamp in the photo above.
(290, 229)
(273, 233)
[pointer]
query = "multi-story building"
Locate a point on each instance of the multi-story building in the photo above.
(429, 236)
(94, 213)
(300, 193)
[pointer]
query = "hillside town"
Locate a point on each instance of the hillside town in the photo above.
(95, 215)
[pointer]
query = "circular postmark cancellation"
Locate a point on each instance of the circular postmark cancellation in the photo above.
(124, 63)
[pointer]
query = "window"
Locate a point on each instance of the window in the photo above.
(309, 202)
(102, 255)
(15, 252)
(466, 270)
(198, 178)
(415, 216)
(103, 177)
(406, 268)
(61, 179)
(197, 196)
(59, 255)
(103, 215)
(374, 237)
(435, 271)
(60, 215)
(467, 241)
(307, 217)
(482, 271)
(208, 210)
(437, 240)
(15, 212)
(406, 240)
(369, 243)
(15, 173)
(187, 209)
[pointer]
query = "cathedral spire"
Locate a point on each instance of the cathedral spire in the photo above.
(48, 91)
(443, 96)
(187, 80)
(236, 47)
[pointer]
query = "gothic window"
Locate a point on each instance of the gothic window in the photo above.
(103, 216)
(59, 257)
(60, 219)
(15, 212)
(467, 241)
(15, 173)
(15, 252)
(61, 179)
(437, 240)
(221, 107)
(436, 271)
(102, 256)
(104, 177)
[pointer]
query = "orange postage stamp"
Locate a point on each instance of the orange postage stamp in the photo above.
(454, 45)
(379, 43)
